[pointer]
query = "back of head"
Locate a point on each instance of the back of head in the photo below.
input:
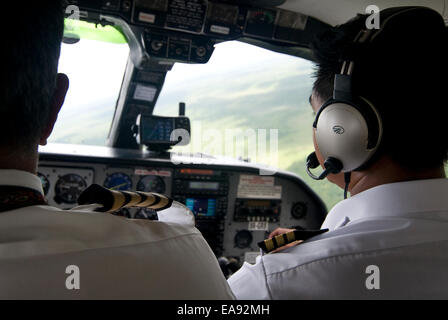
(401, 71)
(32, 39)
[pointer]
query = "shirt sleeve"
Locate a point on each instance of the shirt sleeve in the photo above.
(249, 283)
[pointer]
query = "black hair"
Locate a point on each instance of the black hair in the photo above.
(403, 73)
(32, 35)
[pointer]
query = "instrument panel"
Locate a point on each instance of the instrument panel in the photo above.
(187, 30)
(234, 207)
(63, 184)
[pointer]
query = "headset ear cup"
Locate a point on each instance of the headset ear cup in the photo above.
(342, 132)
(373, 119)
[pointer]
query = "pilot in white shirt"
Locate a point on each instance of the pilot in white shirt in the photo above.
(380, 134)
(48, 253)
(388, 242)
(114, 257)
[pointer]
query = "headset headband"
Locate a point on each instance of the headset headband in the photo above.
(368, 35)
(342, 81)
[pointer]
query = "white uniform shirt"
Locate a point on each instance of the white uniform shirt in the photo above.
(118, 258)
(401, 229)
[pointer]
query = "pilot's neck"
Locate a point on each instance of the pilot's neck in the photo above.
(386, 171)
(24, 160)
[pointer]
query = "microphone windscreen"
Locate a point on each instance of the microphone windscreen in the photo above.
(312, 161)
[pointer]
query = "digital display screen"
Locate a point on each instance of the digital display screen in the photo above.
(204, 185)
(156, 129)
(258, 203)
(202, 207)
(198, 171)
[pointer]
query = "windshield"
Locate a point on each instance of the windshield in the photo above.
(256, 92)
(95, 69)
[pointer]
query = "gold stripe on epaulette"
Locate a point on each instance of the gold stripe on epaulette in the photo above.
(150, 199)
(135, 199)
(290, 236)
(119, 200)
(162, 203)
(269, 245)
(280, 240)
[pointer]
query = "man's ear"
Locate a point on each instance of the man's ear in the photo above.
(62, 84)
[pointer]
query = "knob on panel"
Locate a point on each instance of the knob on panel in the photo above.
(243, 239)
(299, 210)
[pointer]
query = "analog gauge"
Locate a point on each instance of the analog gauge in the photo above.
(151, 184)
(262, 17)
(45, 182)
(243, 239)
(118, 181)
(148, 214)
(68, 188)
(298, 210)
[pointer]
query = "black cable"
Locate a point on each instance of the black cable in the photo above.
(331, 165)
(347, 176)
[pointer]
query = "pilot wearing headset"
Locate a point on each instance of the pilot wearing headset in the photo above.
(48, 253)
(379, 133)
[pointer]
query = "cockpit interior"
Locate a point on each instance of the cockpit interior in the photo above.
(205, 101)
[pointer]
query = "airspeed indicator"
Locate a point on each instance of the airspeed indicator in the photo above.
(118, 181)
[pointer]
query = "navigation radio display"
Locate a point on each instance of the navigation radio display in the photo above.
(202, 207)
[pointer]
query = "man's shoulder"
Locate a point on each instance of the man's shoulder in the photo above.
(78, 230)
(336, 264)
(144, 259)
(358, 240)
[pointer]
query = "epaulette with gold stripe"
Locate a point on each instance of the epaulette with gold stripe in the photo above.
(114, 200)
(283, 239)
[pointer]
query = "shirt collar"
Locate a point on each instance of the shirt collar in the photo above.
(20, 178)
(393, 199)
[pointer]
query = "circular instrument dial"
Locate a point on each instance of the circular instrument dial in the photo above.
(118, 181)
(298, 210)
(262, 17)
(243, 239)
(151, 184)
(69, 187)
(45, 182)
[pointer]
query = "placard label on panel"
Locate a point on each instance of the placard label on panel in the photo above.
(146, 17)
(258, 187)
(144, 172)
(258, 226)
(145, 93)
(219, 29)
(186, 14)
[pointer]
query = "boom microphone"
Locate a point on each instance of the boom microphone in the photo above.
(332, 165)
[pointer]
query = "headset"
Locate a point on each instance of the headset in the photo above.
(348, 127)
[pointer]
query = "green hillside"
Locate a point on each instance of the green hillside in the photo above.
(265, 91)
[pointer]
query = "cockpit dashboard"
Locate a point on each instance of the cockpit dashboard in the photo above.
(234, 206)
